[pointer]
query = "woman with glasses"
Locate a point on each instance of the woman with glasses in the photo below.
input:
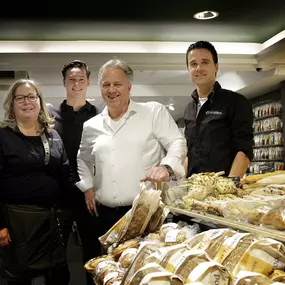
(34, 174)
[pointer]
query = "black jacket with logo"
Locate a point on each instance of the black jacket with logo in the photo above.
(222, 128)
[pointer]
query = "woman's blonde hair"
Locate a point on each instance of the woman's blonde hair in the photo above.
(44, 119)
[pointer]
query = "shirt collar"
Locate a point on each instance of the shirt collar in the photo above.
(217, 87)
(65, 107)
(133, 107)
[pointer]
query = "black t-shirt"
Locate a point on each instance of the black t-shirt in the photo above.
(69, 125)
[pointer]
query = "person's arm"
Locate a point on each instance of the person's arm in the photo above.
(85, 165)
(240, 165)
(168, 134)
(2, 219)
(4, 234)
(185, 165)
(242, 136)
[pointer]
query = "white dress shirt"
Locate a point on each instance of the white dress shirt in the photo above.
(114, 155)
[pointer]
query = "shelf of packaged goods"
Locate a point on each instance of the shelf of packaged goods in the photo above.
(269, 145)
(268, 117)
(266, 232)
(267, 160)
(267, 132)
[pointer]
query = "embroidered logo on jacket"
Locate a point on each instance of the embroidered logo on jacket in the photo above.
(214, 113)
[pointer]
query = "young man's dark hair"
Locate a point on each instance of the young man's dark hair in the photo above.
(75, 63)
(205, 45)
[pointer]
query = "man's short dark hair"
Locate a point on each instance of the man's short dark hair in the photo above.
(75, 63)
(205, 45)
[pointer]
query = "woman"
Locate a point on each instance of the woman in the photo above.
(34, 173)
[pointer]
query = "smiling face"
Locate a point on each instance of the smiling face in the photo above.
(76, 82)
(201, 67)
(26, 110)
(115, 88)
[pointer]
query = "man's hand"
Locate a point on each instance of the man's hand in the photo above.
(157, 174)
(4, 237)
(91, 201)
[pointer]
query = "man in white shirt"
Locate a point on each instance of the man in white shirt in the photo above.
(127, 143)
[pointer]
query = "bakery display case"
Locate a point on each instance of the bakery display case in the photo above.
(206, 243)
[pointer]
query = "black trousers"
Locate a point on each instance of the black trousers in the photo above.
(56, 276)
(91, 228)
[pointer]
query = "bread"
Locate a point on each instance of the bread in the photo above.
(275, 218)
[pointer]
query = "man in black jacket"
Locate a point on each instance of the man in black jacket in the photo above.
(69, 118)
(218, 122)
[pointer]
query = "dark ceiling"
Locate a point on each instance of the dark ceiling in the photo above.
(239, 21)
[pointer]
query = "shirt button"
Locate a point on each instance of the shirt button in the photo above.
(114, 181)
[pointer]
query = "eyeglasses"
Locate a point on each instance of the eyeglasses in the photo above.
(21, 98)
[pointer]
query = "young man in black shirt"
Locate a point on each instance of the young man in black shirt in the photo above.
(218, 122)
(69, 118)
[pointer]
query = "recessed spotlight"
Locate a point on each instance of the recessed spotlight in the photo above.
(171, 107)
(206, 15)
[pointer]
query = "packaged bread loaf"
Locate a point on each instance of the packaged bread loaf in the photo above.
(251, 278)
(132, 243)
(112, 235)
(250, 253)
(189, 259)
(157, 219)
(144, 206)
(127, 257)
(153, 273)
(274, 218)
(92, 264)
(161, 255)
(144, 251)
(277, 276)
(210, 273)
(210, 241)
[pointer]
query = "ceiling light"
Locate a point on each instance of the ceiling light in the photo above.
(206, 15)
(171, 107)
(90, 99)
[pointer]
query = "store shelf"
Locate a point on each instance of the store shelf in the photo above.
(267, 160)
(269, 145)
(267, 117)
(267, 132)
(278, 235)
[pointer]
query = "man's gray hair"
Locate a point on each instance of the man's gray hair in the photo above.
(119, 64)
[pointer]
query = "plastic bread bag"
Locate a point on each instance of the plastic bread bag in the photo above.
(182, 265)
(144, 251)
(251, 278)
(274, 218)
(248, 252)
(92, 264)
(104, 268)
(163, 253)
(152, 274)
(210, 273)
(144, 206)
(157, 219)
(173, 191)
(127, 257)
(112, 235)
(210, 241)
(191, 204)
(278, 276)
(176, 236)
